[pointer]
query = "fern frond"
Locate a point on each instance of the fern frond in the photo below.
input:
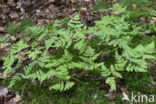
(37, 31)
(19, 47)
(14, 80)
(62, 87)
(111, 81)
(8, 63)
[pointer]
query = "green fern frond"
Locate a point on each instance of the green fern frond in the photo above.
(111, 81)
(63, 87)
(33, 54)
(14, 80)
(37, 31)
(7, 65)
(19, 47)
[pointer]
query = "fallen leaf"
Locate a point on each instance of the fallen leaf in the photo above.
(51, 1)
(3, 91)
(153, 20)
(74, 1)
(14, 100)
(11, 2)
(111, 96)
(135, 8)
(3, 45)
(87, 0)
(22, 54)
(123, 89)
(13, 15)
(142, 20)
(83, 9)
(13, 38)
(2, 29)
(25, 58)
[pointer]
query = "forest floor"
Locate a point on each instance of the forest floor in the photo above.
(45, 12)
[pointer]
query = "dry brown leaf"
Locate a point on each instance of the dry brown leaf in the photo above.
(13, 15)
(6, 9)
(87, 0)
(2, 29)
(74, 1)
(123, 89)
(13, 38)
(14, 100)
(142, 20)
(83, 9)
(153, 20)
(3, 91)
(111, 96)
(135, 8)
(51, 1)
(25, 58)
(3, 45)
(11, 2)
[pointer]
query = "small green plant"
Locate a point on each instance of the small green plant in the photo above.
(14, 29)
(101, 5)
(138, 3)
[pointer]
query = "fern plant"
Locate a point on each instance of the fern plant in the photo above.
(14, 29)
(106, 48)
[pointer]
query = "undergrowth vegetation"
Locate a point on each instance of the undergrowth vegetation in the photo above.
(58, 56)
